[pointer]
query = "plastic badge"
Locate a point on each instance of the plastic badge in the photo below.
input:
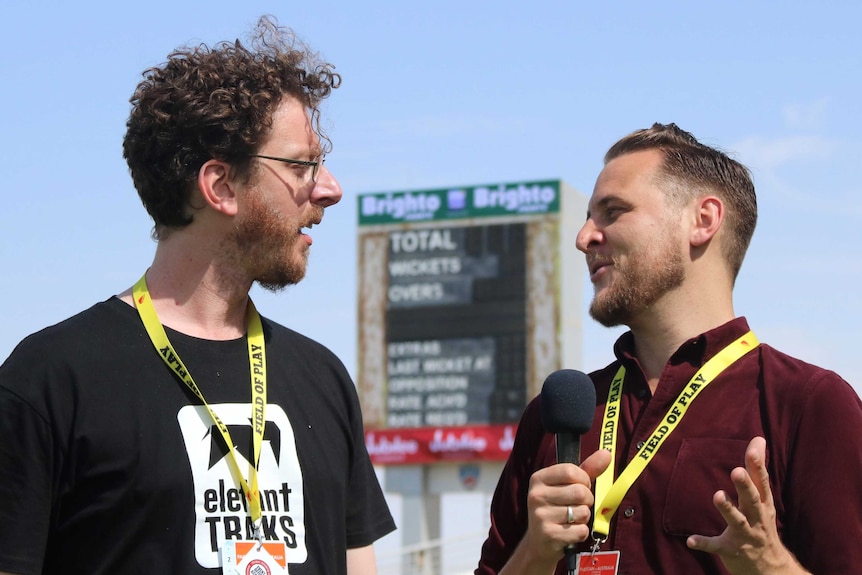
(599, 563)
(253, 558)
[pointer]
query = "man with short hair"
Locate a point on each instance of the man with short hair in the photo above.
(172, 429)
(710, 452)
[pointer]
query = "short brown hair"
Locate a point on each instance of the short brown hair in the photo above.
(691, 168)
(215, 103)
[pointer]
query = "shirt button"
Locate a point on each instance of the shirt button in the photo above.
(641, 393)
(640, 444)
(629, 512)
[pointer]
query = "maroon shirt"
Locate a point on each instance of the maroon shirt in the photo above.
(812, 422)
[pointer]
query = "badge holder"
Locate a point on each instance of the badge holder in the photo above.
(254, 558)
(598, 562)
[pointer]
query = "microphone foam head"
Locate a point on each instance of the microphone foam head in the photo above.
(568, 402)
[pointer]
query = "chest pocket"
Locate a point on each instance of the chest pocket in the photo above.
(702, 467)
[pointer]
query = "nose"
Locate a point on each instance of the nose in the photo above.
(588, 235)
(327, 190)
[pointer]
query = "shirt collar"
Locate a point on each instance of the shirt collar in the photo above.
(695, 351)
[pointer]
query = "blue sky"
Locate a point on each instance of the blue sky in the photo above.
(446, 93)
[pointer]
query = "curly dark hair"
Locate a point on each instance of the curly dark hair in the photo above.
(691, 168)
(215, 103)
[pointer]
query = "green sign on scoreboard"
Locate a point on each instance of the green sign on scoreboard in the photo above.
(535, 198)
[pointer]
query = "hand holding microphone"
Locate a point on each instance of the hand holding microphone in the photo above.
(560, 499)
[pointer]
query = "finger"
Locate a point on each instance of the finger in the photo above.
(748, 496)
(559, 497)
(755, 463)
(569, 473)
(575, 533)
(736, 520)
(596, 463)
(703, 543)
(559, 474)
(558, 488)
(580, 515)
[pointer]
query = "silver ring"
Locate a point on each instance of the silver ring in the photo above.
(570, 514)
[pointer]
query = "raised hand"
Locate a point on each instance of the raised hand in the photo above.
(750, 545)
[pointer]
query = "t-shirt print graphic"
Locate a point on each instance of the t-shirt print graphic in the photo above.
(221, 510)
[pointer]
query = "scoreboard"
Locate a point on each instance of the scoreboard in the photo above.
(455, 326)
(468, 298)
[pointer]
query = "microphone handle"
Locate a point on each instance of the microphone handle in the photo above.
(568, 447)
(569, 451)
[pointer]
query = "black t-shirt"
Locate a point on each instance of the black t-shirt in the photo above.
(109, 464)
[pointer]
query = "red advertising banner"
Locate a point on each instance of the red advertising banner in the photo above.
(421, 445)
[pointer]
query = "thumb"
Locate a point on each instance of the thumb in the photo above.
(596, 463)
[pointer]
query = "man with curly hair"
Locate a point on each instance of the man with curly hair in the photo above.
(171, 428)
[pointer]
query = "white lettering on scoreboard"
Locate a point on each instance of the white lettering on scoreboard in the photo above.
(440, 382)
(431, 267)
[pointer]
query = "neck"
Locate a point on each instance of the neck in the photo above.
(193, 293)
(660, 331)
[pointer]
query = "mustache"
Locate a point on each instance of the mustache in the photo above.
(597, 260)
(314, 218)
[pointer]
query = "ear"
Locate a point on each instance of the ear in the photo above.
(217, 188)
(708, 217)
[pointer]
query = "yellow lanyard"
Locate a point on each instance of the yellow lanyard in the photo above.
(609, 492)
(257, 367)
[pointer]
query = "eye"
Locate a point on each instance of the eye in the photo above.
(302, 172)
(611, 213)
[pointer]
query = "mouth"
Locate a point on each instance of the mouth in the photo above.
(597, 267)
(312, 222)
(304, 230)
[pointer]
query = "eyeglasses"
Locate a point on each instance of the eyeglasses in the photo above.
(315, 165)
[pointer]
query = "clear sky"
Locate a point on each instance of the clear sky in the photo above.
(449, 93)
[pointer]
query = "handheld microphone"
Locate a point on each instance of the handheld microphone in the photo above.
(568, 402)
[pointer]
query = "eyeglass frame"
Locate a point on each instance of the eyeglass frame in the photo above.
(315, 165)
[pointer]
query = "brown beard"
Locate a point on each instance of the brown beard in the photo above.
(265, 243)
(639, 284)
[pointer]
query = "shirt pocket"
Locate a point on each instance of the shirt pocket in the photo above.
(702, 467)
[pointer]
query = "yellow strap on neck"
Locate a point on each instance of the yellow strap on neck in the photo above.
(257, 370)
(610, 493)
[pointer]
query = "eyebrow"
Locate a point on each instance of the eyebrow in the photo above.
(312, 153)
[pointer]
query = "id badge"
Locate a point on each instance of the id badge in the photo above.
(598, 563)
(253, 558)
